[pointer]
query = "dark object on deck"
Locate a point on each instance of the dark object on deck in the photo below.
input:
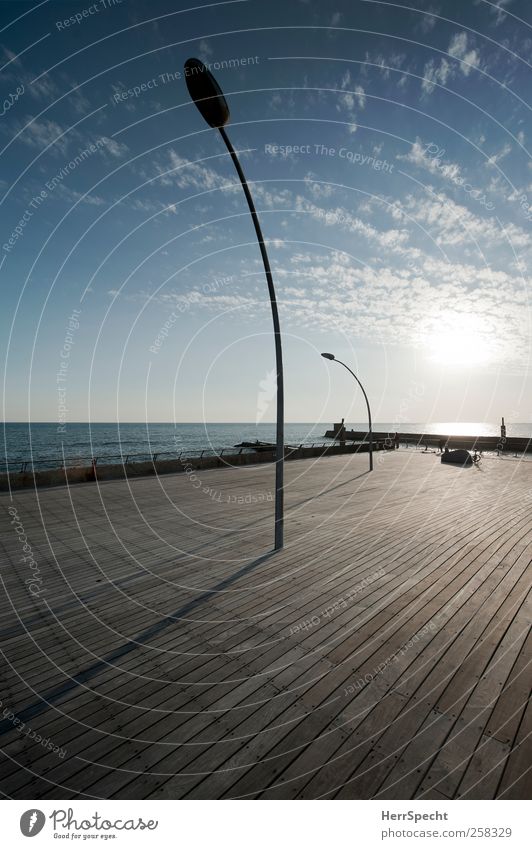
(263, 446)
(460, 456)
(257, 446)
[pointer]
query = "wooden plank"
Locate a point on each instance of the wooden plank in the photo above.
(511, 704)
(484, 770)
(516, 779)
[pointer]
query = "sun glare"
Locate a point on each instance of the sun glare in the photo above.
(458, 341)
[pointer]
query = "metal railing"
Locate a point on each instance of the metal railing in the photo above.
(21, 466)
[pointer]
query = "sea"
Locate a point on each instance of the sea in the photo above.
(43, 445)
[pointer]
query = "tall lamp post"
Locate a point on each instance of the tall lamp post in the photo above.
(332, 357)
(209, 98)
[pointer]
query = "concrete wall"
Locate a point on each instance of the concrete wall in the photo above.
(81, 474)
(482, 443)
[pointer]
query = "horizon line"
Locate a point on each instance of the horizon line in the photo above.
(254, 424)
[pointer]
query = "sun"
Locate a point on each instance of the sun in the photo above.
(458, 340)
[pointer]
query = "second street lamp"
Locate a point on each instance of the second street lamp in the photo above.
(332, 357)
(209, 98)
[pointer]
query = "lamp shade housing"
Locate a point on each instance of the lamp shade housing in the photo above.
(206, 93)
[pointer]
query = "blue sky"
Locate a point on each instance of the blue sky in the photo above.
(387, 151)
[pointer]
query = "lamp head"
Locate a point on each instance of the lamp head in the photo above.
(206, 93)
(328, 356)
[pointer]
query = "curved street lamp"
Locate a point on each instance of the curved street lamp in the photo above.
(332, 357)
(211, 103)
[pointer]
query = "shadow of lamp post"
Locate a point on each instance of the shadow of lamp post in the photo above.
(209, 98)
(332, 357)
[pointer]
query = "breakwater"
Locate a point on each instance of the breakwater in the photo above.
(501, 444)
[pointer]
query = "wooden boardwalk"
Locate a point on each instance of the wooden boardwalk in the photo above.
(153, 646)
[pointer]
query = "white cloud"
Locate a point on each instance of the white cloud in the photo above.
(384, 63)
(418, 155)
(458, 49)
(44, 89)
(429, 19)
(442, 72)
(72, 196)
(346, 82)
(272, 198)
(204, 50)
(434, 74)
(396, 303)
(404, 306)
(453, 224)
(360, 96)
(498, 8)
(347, 101)
(187, 174)
(78, 101)
(275, 101)
(116, 149)
(10, 57)
(338, 217)
(496, 157)
(317, 189)
(40, 134)
(354, 95)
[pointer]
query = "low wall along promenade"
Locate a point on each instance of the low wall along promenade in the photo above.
(108, 471)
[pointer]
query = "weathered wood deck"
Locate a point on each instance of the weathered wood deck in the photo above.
(382, 654)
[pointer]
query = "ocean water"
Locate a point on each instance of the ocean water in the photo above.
(41, 444)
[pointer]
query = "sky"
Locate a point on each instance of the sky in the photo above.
(386, 147)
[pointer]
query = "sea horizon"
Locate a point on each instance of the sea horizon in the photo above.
(49, 444)
(235, 422)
